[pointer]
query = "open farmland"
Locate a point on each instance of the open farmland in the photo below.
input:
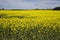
(29, 25)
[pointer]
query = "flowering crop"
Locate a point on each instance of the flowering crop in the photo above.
(30, 25)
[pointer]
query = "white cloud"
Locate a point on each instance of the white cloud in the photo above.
(27, 4)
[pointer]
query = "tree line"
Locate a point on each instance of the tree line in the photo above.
(56, 8)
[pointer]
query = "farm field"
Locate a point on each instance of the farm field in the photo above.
(29, 25)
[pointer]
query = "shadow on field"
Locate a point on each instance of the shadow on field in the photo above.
(7, 16)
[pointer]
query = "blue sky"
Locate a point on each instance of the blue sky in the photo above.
(29, 4)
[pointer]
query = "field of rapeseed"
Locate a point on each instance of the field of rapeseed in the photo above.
(29, 25)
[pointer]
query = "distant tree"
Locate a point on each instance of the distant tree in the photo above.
(56, 8)
(2, 8)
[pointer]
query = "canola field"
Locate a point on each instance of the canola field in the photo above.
(29, 25)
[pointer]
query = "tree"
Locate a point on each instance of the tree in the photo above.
(2, 8)
(56, 8)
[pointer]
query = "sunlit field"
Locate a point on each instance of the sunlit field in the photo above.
(29, 25)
